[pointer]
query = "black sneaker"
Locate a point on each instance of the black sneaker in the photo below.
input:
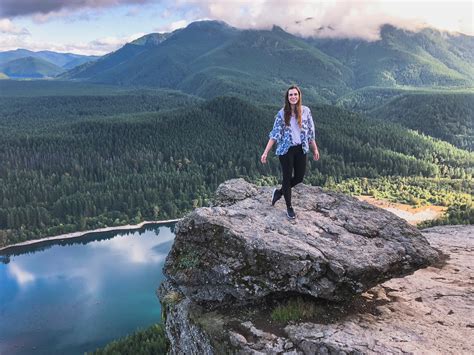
(276, 196)
(290, 213)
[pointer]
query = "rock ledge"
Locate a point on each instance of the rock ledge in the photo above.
(244, 249)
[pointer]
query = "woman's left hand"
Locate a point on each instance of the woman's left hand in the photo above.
(316, 154)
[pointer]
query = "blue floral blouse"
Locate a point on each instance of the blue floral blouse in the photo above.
(282, 133)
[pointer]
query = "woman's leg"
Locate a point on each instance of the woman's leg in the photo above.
(299, 164)
(287, 165)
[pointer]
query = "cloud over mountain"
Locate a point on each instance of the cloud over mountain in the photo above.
(308, 18)
(321, 18)
(341, 18)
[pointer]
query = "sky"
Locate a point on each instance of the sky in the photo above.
(97, 27)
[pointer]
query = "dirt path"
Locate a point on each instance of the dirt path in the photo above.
(412, 215)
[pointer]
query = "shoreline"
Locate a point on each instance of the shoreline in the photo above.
(80, 234)
(403, 211)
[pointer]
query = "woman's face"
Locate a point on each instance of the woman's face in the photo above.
(293, 96)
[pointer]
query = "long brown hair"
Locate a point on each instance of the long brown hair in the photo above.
(298, 109)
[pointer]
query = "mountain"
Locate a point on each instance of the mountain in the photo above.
(401, 57)
(444, 114)
(16, 54)
(151, 39)
(63, 60)
(257, 63)
(163, 64)
(108, 62)
(78, 61)
(210, 58)
(30, 67)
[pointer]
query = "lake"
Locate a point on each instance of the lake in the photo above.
(72, 296)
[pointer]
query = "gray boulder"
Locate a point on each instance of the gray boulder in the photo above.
(428, 312)
(243, 249)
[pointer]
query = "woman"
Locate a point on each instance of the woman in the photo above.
(293, 131)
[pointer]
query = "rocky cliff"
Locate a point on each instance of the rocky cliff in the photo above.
(244, 279)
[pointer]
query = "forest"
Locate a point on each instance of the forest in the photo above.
(81, 162)
(149, 341)
(447, 116)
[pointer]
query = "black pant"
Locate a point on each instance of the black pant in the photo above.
(293, 160)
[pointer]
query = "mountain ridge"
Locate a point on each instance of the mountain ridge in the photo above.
(63, 61)
(57, 58)
(211, 53)
(30, 67)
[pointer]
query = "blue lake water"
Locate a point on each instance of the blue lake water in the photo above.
(73, 296)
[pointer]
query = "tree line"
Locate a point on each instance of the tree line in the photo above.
(96, 172)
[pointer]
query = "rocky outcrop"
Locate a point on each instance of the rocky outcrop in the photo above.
(429, 312)
(234, 266)
(244, 249)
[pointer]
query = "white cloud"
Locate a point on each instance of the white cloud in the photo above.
(324, 18)
(134, 250)
(112, 43)
(173, 26)
(7, 27)
(21, 276)
(99, 46)
(341, 18)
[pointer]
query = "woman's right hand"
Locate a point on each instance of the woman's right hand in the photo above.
(269, 146)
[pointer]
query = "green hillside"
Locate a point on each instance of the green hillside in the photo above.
(78, 61)
(32, 88)
(372, 97)
(368, 98)
(62, 60)
(167, 64)
(263, 57)
(77, 173)
(8, 56)
(108, 62)
(447, 116)
(30, 67)
(41, 114)
(428, 58)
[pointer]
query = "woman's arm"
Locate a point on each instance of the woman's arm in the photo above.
(273, 136)
(269, 146)
(315, 149)
(312, 136)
